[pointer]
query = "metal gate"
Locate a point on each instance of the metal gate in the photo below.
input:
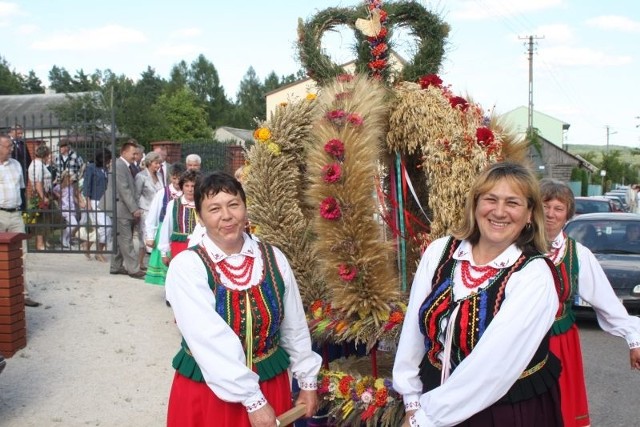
(61, 150)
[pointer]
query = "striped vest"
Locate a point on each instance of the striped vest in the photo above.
(567, 288)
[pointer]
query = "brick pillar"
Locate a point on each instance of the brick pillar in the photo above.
(13, 331)
(235, 156)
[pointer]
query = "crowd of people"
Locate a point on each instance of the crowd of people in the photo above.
(489, 337)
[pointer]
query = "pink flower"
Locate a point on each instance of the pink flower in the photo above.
(485, 136)
(355, 119)
(347, 272)
(329, 209)
(456, 101)
(331, 173)
(430, 80)
(343, 95)
(344, 78)
(335, 147)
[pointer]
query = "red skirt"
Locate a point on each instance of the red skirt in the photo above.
(177, 247)
(573, 391)
(193, 404)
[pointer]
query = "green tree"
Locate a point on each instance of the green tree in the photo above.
(10, 81)
(182, 117)
(138, 119)
(178, 78)
(32, 84)
(250, 101)
(205, 83)
(60, 80)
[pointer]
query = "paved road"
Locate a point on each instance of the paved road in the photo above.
(613, 388)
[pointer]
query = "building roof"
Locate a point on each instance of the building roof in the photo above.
(244, 134)
(34, 110)
(565, 125)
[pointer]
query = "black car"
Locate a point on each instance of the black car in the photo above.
(614, 239)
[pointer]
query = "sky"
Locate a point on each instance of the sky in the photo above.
(586, 64)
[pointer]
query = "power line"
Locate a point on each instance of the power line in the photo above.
(530, 56)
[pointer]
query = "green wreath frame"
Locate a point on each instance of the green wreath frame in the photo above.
(430, 30)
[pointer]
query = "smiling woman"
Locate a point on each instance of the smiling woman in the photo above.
(583, 280)
(481, 293)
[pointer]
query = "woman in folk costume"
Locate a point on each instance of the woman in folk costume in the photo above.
(581, 275)
(237, 305)
(156, 270)
(474, 347)
(180, 219)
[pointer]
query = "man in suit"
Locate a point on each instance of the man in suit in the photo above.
(125, 260)
(21, 154)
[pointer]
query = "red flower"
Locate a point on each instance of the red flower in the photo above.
(335, 147)
(378, 64)
(379, 49)
(381, 397)
(485, 136)
(383, 33)
(347, 272)
(336, 115)
(329, 209)
(458, 101)
(331, 173)
(344, 78)
(430, 80)
(383, 15)
(344, 385)
(355, 119)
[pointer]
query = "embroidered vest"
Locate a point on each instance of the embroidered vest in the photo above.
(265, 301)
(474, 316)
(184, 221)
(567, 288)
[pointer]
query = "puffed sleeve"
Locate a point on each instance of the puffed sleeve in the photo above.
(411, 350)
(294, 331)
(594, 287)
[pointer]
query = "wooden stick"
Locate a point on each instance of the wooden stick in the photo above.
(292, 414)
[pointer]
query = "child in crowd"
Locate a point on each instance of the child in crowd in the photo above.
(67, 192)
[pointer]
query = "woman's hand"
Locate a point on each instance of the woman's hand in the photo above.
(166, 260)
(309, 398)
(407, 416)
(149, 243)
(263, 417)
(634, 357)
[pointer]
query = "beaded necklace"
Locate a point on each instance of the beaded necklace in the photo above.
(239, 275)
(471, 282)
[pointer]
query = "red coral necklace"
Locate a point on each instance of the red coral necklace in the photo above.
(473, 282)
(239, 275)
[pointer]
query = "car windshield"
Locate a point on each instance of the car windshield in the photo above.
(606, 236)
(592, 206)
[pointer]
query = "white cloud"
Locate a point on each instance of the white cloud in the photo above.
(8, 10)
(573, 56)
(186, 33)
(612, 22)
(106, 37)
(483, 9)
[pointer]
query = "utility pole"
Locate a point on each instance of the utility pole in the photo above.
(530, 55)
(530, 135)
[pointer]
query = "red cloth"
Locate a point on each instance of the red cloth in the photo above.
(177, 247)
(193, 404)
(573, 391)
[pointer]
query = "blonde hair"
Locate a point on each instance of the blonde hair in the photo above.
(532, 236)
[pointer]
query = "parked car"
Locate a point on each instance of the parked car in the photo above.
(614, 239)
(594, 204)
(617, 204)
(621, 195)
